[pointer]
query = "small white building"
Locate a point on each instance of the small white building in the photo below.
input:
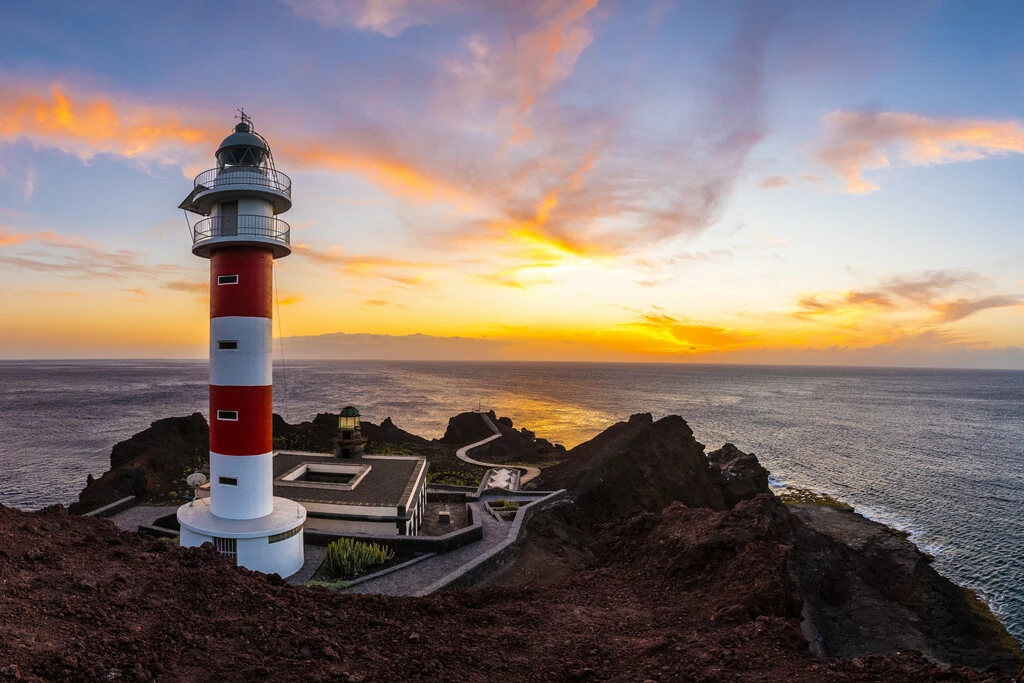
(382, 495)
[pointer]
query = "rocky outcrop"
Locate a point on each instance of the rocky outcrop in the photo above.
(514, 446)
(634, 466)
(738, 475)
(869, 590)
(387, 432)
(151, 463)
(710, 525)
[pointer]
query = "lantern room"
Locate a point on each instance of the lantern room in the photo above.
(350, 441)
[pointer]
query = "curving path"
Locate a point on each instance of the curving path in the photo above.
(461, 454)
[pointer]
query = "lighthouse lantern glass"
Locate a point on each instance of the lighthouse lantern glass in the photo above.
(348, 421)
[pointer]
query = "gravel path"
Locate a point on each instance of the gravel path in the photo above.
(130, 519)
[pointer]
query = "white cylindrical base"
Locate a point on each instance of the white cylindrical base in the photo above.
(242, 486)
(272, 544)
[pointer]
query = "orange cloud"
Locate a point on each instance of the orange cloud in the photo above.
(290, 299)
(90, 125)
(548, 53)
(393, 175)
(774, 181)
(675, 335)
(904, 305)
(859, 141)
(190, 286)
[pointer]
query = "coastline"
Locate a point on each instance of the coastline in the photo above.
(912, 533)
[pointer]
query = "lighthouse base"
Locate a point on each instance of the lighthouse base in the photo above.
(271, 544)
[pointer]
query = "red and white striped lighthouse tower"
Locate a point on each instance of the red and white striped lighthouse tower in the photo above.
(242, 235)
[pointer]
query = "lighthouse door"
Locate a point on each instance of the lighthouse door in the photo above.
(229, 219)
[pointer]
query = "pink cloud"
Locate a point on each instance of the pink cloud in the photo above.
(860, 141)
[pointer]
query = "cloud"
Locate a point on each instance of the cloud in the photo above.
(138, 293)
(774, 181)
(387, 17)
(674, 334)
(859, 141)
(951, 311)
(400, 271)
(190, 286)
(342, 346)
(72, 257)
(921, 300)
(290, 299)
(90, 125)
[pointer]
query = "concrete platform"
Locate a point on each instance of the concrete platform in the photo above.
(270, 544)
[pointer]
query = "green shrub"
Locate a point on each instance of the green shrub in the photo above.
(504, 505)
(347, 558)
(379, 448)
(453, 478)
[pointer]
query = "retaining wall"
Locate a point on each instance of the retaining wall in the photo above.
(498, 557)
(112, 509)
(417, 544)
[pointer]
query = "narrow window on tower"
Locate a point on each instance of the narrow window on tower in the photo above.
(227, 279)
(227, 415)
(228, 344)
(229, 481)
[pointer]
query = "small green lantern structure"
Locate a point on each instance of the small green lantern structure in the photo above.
(350, 441)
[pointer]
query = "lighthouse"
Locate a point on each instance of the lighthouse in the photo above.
(240, 233)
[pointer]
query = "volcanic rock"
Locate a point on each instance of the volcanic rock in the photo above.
(634, 466)
(739, 475)
(150, 463)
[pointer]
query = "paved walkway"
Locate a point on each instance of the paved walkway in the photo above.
(462, 454)
(130, 519)
(424, 574)
(314, 558)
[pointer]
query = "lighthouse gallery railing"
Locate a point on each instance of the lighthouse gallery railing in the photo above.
(241, 226)
(240, 175)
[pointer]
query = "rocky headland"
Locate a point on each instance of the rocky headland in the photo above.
(668, 563)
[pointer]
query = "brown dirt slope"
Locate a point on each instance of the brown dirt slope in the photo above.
(82, 601)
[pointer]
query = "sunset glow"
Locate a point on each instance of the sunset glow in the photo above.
(538, 180)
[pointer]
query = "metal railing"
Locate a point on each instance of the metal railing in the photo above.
(241, 226)
(243, 175)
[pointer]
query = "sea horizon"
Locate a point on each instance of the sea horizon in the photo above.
(278, 362)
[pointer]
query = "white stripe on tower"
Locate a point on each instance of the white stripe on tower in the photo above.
(249, 363)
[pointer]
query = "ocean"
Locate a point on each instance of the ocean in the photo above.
(938, 453)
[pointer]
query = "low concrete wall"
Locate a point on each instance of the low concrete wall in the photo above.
(112, 509)
(447, 496)
(416, 544)
(157, 531)
(498, 557)
(431, 488)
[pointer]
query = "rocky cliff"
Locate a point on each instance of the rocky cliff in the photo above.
(151, 463)
(668, 564)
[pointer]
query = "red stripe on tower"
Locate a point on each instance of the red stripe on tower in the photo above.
(241, 282)
(241, 420)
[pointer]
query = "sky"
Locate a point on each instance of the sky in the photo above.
(593, 180)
